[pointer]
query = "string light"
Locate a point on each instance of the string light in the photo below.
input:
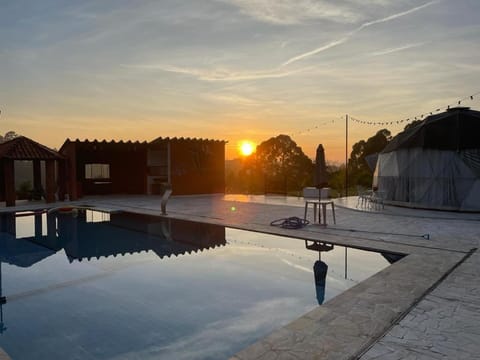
(382, 123)
(418, 117)
(328, 122)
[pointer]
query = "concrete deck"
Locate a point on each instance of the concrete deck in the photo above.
(426, 306)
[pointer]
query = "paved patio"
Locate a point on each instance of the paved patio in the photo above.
(425, 306)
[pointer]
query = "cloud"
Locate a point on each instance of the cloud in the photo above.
(287, 12)
(257, 319)
(219, 74)
(396, 49)
(316, 51)
(233, 99)
(396, 16)
(355, 31)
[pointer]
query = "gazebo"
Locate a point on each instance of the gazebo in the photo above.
(434, 165)
(23, 148)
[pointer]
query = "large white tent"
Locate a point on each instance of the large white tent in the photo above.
(434, 165)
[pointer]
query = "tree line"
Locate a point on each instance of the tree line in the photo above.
(279, 166)
(9, 135)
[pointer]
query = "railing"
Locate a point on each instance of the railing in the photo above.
(371, 199)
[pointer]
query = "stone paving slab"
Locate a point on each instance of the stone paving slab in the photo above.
(444, 325)
(447, 230)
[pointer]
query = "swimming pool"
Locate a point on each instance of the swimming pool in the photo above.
(93, 285)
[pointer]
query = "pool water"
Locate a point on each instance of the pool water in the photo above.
(92, 285)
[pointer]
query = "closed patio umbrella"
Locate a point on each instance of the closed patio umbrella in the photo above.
(321, 178)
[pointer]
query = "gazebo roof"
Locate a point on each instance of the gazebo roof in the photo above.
(23, 148)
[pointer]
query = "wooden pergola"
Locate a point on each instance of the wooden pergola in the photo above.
(23, 148)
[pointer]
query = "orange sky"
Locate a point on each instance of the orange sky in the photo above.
(232, 69)
(329, 133)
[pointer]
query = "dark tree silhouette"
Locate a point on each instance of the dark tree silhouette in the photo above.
(9, 135)
(359, 172)
(282, 165)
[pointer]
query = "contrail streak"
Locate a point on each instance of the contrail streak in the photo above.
(360, 28)
(397, 49)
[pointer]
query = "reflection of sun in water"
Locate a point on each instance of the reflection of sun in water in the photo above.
(246, 148)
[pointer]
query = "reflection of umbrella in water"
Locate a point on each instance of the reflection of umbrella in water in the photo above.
(320, 272)
(319, 268)
(321, 179)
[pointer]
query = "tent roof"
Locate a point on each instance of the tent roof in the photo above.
(23, 148)
(454, 129)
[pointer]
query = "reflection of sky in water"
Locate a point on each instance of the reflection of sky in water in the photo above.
(206, 304)
(360, 264)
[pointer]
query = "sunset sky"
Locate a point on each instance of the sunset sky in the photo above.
(232, 69)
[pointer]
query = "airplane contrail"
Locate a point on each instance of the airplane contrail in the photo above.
(360, 28)
(396, 49)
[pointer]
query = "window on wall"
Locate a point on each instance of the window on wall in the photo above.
(97, 171)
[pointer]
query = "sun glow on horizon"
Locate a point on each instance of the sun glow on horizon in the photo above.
(246, 148)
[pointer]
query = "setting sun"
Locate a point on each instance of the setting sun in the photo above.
(246, 148)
